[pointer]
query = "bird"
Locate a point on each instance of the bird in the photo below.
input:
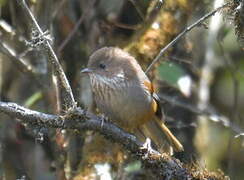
(125, 95)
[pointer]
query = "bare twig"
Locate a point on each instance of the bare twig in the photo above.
(161, 165)
(122, 25)
(21, 63)
(137, 9)
(189, 28)
(59, 73)
(212, 114)
(74, 30)
(19, 60)
(58, 8)
(8, 51)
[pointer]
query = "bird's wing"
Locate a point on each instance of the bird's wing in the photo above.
(156, 101)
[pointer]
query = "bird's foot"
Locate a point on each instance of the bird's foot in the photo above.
(148, 148)
(103, 119)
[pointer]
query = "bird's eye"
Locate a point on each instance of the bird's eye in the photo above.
(102, 66)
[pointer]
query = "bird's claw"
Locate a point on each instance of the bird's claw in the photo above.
(103, 118)
(149, 150)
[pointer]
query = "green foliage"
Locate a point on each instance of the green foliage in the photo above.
(33, 99)
(2, 3)
(134, 166)
(170, 72)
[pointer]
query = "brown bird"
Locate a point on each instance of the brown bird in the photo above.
(123, 93)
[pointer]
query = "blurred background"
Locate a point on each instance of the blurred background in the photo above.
(200, 81)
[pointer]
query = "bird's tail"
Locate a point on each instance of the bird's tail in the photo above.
(161, 136)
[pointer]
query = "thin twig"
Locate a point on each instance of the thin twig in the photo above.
(18, 60)
(58, 7)
(209, 111)
(65, 88)
(189, 28)
(137, 9)
(124, 26)
(75, 29)
(8, 51)
(22, 64)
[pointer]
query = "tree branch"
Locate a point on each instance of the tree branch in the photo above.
(18, 59)
(162, 166)
(76, 119)
(64, 86)
(209, 111)
(179, 36)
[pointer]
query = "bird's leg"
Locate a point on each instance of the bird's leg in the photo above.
(147, 146)
(103, 118)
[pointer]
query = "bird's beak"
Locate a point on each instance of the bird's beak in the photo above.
(86, 70)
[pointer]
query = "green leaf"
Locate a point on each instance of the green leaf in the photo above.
(33, 99)
(170, 72)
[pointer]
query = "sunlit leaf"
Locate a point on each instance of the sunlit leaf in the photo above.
(170, 72)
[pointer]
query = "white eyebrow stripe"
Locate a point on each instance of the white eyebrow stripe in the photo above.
(121, 74)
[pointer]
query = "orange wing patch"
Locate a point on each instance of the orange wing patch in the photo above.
(158, 112)
(154, 106)
(149, 86)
